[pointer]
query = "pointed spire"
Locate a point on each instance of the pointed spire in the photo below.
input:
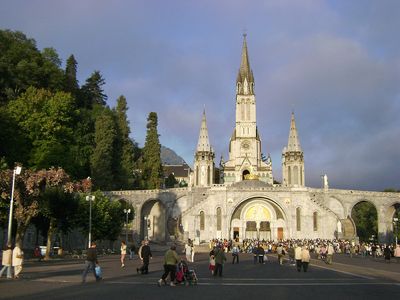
(204, 142)
(245, 71)
(293, 142)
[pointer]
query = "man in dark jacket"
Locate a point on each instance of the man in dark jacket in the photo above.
(220, 258)
(145, 256)
(91, 262)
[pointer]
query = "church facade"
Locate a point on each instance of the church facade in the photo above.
(247, 203)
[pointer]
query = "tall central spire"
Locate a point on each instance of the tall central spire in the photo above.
(245, 71)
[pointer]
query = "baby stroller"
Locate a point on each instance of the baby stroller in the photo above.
(184, 275)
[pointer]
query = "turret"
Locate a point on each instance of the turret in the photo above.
(293, 159)
(203, 158)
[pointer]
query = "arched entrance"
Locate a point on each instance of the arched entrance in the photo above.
(393, 218)
(244, 173)
(258, 218)
(365, 218)
(153, 223)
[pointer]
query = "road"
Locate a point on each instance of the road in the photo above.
(347, 278)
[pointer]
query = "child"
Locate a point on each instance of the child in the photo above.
(211, 267)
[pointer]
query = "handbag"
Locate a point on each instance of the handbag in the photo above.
(97, 269)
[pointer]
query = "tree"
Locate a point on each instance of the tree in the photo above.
(29, 187)
(70, 81)
(92, 91)
(102, 160)
(125, 147)
(46, 120)
(23, 65)
(59, 207)
(152, 168)
(170, 181)
(107, 217)
(365, 217)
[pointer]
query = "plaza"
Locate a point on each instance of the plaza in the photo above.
(347, 278)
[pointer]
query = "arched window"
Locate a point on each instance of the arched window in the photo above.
(248, 111)
(197, 175)
(315, 221)
(298, 219)
(219, 219)
(289, 176)
(208, 176)
(301, 176)
(295, 175)
(202, 220)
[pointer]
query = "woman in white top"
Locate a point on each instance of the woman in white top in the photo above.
(123, 253)
(17, 260)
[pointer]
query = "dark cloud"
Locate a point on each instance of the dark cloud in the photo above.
(335, 63)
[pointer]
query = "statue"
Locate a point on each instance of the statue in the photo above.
(326, 185)
(339, 226)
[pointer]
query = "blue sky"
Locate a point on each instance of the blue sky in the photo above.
(336, 64)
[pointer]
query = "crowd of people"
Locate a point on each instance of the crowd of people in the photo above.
(320, 247)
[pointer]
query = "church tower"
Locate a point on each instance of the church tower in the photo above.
(293, 159)
(245, 157)
(203, 158)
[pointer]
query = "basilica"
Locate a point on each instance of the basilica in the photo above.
(247, 202)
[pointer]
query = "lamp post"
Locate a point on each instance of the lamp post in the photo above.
(395, 223)
(16, 171)
(127, 212)
(90, 198)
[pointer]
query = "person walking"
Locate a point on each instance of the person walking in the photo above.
(91, 262)
(260, 252)
(6, 261)
(280, 252)
(17, 260)
(188, 250)
(297, 257)
(220, 258)
(387, 254)
(171, 259)
(192, 253)
(292, 261)
(305, 258)
(235, 254)
(397, 253)
(145, 256)
(330, 251)
(123, 253)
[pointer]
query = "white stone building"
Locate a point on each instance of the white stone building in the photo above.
(248, 204)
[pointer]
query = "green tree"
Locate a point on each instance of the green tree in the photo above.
(59, 207)
(92, 91)
(71, 82)
(152, 168)
(125, 147)
(13, 141)
(365, 217)
(102, 160)
(107, 217)
(170, 181)
(22, 65)
(46, 119)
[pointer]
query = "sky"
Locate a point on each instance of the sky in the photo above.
(335, 64)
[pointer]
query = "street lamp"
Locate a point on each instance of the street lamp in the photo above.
(395, 223)
(90, 198)
(127, 212)
(16, 171)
